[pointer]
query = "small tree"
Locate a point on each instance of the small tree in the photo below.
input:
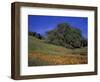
(37, 35)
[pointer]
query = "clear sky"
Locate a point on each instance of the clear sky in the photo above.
(42, 24)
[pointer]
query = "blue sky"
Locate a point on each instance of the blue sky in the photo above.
(42, 24)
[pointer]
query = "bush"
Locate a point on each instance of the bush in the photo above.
(37, 35)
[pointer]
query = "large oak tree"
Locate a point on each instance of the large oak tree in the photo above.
(67, 36)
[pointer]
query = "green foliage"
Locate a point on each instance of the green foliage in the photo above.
(67, 36)
(37, 35)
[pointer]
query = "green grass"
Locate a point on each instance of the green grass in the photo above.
(37, 45)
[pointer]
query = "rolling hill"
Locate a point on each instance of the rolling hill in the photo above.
(41, 54)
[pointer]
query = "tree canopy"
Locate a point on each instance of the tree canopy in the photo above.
(67, 36)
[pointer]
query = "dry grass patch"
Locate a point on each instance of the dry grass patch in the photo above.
(36, 58)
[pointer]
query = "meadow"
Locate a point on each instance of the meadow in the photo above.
(42, 54)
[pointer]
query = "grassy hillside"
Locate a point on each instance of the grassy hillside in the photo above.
(41, 53)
